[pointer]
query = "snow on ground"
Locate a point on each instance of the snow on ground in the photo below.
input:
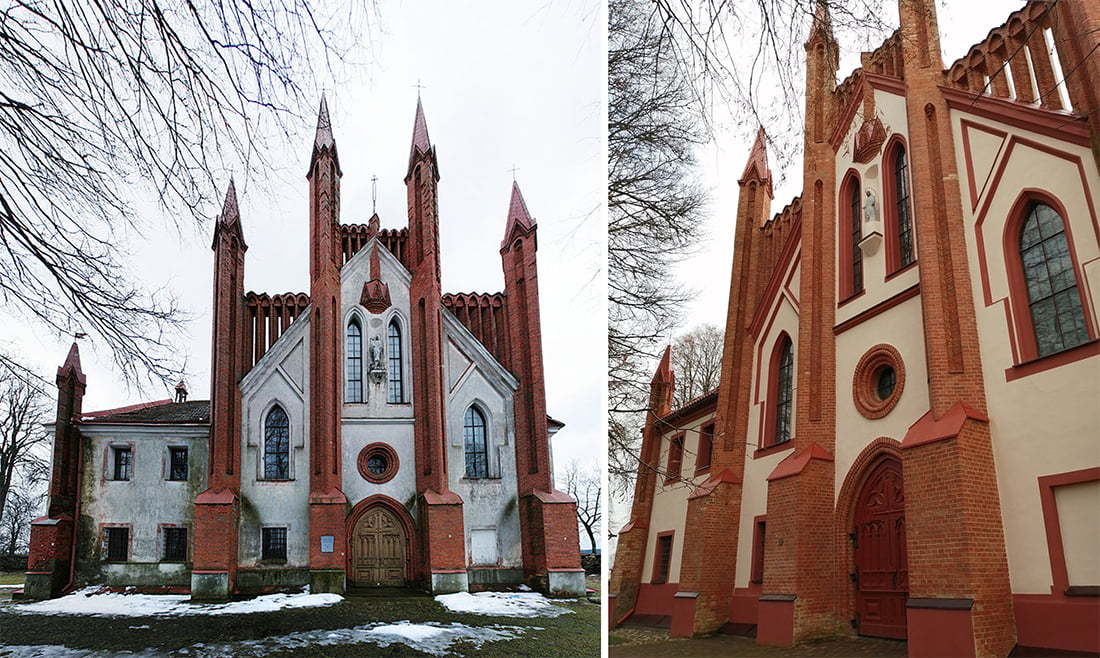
(433, 638)
(93, 601)
(504, 604)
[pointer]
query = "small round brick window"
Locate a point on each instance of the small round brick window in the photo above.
(878, 381)
(378, 463)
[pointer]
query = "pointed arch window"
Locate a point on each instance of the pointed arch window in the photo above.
(477, 448)
(354, 351)
(900, 253)
(780, 394)
(850, 232)
(1053, 298)
(276, 445)
(395, 386)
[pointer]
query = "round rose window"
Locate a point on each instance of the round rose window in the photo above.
(878, 381)
(378, 463)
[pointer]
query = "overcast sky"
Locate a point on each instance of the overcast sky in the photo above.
(504, 85)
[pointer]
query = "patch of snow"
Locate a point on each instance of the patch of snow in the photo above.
(506, 604)
(524, 588)
(93, 601)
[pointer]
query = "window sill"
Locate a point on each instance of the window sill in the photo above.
(272, 562)
(1083, 590)
(773, 448)
(173, 561)
(674, 479)
(898, 272)
(489, 479)
(702, 471)
(274, 480)
(1065, 357)
(850, 298)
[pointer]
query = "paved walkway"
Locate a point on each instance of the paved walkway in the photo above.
(646, 642)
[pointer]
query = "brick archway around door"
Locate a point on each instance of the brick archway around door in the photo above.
(869, 458)
(413, 572)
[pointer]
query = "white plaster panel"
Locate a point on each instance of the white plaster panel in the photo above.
(1078, 511)
(487, 502)
(148, 498)
(754, 502)
(890, 109)
(398, 434)
(353, 275)
(1045, 423)
(276, 503)
(901, 327)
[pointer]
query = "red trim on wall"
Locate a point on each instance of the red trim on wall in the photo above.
(1050, 361)
(1017, 285)
(1053, 527)
(767, 438)
(936, 632)
(1057, 125)
(1057, 622)
(655, 598)
(756, 569)
(883, 306)
(412, 549)
(778, 275)
(775, 622)
(966, 127)
(848, 113)
(675, 465)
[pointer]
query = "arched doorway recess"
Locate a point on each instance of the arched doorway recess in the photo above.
(882, 573)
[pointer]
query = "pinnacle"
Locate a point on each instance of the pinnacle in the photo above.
(757, 166)
(73, 360)
(664, 369)
(822, 23)
(230, 213)
(420, 130)
(517, 208)
(324, 127)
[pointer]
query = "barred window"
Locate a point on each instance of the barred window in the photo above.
(354, 350)
(273, 544)
(477, 450)
(277, 445)
(177, 463)
(118, 544)
(123, 463)
(1056, 312)
(175, 544)
(395, 393)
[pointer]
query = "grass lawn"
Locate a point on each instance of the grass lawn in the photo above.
(575, 634)
(11, 577)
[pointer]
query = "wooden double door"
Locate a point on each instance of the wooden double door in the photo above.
(378, 550)
(882, 573)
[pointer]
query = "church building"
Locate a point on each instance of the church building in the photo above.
(372, 432)
(905, 441)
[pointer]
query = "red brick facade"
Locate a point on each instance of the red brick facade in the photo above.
(954, 558)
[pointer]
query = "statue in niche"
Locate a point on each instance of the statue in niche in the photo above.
(870, 207)
(377, 369)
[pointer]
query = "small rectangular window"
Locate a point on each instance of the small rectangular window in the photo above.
(706, 441)
(675, 458)
(118, 544)
(274, 544)
(177, 463)
(175, 544)
(123, 463)
(662, 559)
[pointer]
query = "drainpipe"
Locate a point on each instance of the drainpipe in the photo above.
(76, 508)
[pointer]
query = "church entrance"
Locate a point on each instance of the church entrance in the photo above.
(882, 575)
(378, 551)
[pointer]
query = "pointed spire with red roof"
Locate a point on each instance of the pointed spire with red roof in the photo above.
(822, 27)
(519, 220)
(71, 367)
(664, 368)
(757, 166)
(323, 141)
(230, 217)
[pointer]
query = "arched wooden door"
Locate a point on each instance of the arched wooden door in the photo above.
(882, 573)
(378, 551)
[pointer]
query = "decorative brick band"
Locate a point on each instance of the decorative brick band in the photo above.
(872, 367)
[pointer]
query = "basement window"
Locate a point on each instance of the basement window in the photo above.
(118, 544)
(274, 544)
(175, 544)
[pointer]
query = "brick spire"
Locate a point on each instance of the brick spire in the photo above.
(757, 166)
(323, 141)
(519, 220)
(230, 218)
(420, 139)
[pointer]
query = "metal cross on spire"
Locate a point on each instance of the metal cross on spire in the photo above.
(514, 169)
(374, 195)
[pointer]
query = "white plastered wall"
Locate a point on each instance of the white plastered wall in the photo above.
(490, 505)
(1048, 422)
(670, 500)
(280, 377)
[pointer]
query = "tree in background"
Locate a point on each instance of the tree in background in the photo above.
(585, 485)
(654, 210)
(697, 362)
(101, 102)
(24, 447)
